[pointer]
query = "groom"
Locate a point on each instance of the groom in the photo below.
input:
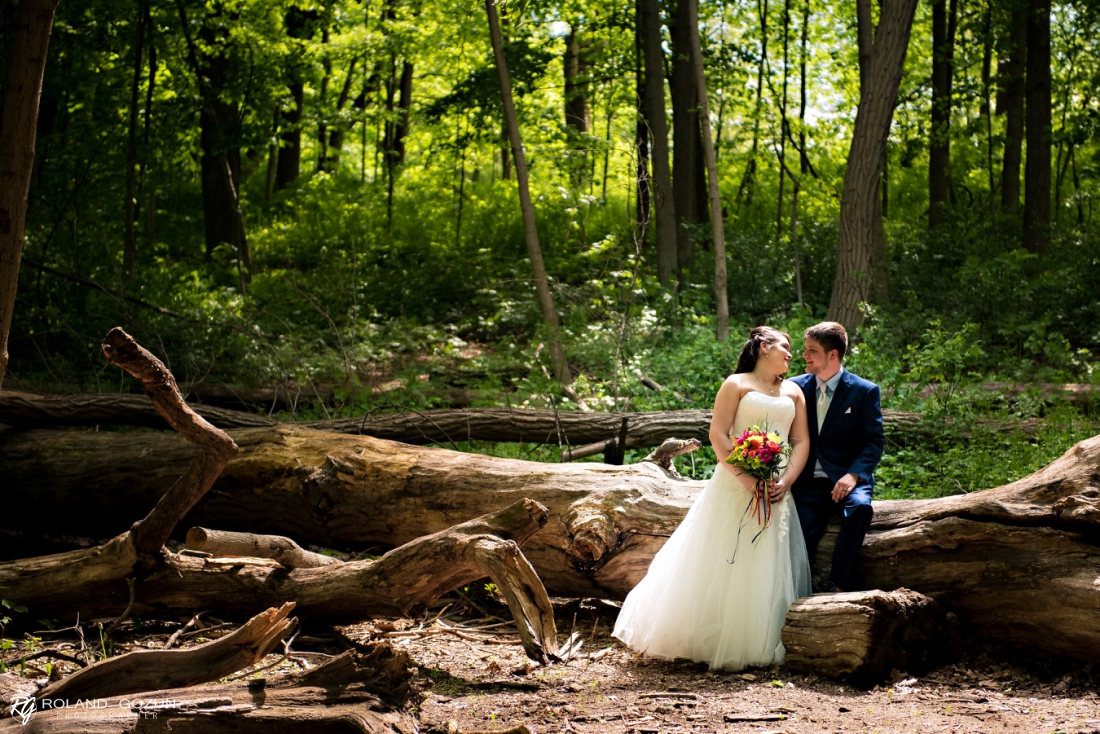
(846, 442)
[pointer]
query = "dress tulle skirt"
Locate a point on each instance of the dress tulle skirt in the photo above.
(713, 595)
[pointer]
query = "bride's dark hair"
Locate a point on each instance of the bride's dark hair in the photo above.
(759, 336)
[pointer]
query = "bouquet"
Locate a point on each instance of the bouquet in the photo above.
(759, 452)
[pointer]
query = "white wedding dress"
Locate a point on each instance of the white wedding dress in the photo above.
(693, 602)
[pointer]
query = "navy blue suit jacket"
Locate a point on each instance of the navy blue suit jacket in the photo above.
(851, 440)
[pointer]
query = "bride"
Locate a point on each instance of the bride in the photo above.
(711, 594)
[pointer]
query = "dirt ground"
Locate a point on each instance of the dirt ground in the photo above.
(475, 677)
(607, 688)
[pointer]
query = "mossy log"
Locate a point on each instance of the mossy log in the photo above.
(997, 558)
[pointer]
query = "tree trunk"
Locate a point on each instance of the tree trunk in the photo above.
(721, 296)
(129, 247)
(1011, 73)
(134, 573)
(404, 104)
(986, 111)
(860, 221)
(299, 27)
(1037, 171)
(290, 146)
(748, 181)
(577, 115)
(336, 137)
(322, 100)
(530, 232)
(223, 221)
(784, 129)
(939, 147)
(689, 165)
(641, 130)
(359, 691)
(420, 427)
(18, 121)
(864, 636)
(995, 558)
(663, 203)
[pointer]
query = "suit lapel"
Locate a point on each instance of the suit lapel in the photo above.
(808, 389)
(838, 395)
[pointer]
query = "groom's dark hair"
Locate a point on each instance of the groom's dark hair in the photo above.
(830, 335)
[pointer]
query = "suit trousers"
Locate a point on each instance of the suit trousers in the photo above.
(815, 506)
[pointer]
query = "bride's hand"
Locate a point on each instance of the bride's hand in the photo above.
(777, 490)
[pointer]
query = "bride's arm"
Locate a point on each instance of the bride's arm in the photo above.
(800, 442)
(725, 408)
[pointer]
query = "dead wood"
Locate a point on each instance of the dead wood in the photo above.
(996, 558)
(864, 635)
(27, 410)
(352, 693)
(283, 551)
(400, 583)
(91, 581)
(52, 581)
(150, 670)
(215, 447)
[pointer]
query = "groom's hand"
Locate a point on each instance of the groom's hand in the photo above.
(844, 487)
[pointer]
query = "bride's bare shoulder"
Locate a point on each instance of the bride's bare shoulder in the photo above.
(734, 380)
(791, 389)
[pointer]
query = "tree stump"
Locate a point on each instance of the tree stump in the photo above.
(864, 635)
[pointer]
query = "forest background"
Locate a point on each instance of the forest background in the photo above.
(323, 197)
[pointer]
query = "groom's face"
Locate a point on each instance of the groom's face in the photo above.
(817, 359)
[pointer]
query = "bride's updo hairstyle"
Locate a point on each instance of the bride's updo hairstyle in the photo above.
(761, 336)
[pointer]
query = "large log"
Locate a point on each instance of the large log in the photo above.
(996, 558)
(865, 635)
(91, 581)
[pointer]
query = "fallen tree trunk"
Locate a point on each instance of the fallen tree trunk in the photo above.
(570, 428)
(996, 558)
(28, 410)
(353, 692)
(864, 635)
(91, 581)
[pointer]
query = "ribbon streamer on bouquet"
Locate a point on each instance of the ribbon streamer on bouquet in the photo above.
(760, 507)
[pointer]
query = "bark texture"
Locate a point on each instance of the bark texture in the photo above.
(864, 635)
(283, 551)
(662, 200)
(1011, 75)
(721, 295)
(1037, 168)
(944, 21)
(689, 163)
(421, 427)
(150, 670)
(995, 558)
(530, 231)
(22, 91)
(357, 692)
(882, 56)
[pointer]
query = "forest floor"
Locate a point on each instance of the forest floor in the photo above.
(608, 688)
(475, 677)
